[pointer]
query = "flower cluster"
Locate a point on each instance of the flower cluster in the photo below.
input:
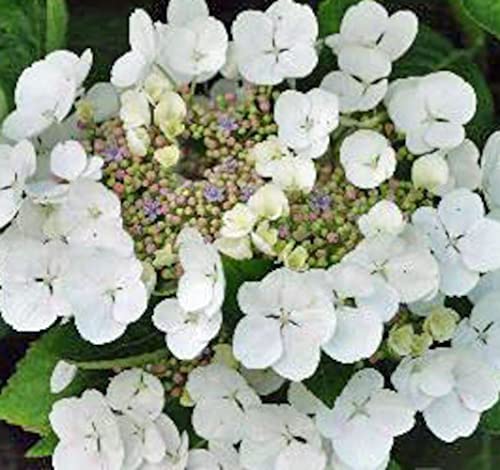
(346, 224)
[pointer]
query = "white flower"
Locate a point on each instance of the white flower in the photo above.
(17, 165)
(360, 327)
(237, 248)
(136, 393)
(287, 320)
(221, 397)
(170, 113)
(463, 240)
(284, 47)
(463, 163)
(218, 456)
(187, 333)
(488, 284)
(442, 171)
(294, 174)
(230, 70)
(304, 401)
(88, 434)
(173, 448)
(369, 40)
(102, 102)
(430, 172)
(144, 442)
(157, 84)
(269, 202)
(365, 419)
(32, 295)
(264, 154)
(202, 285)
(106, 293)
(138, 141)
(263, 381)
(62, 73)
(134, 66)
(423, 308)
(305, 120)
(354, 94)
(490, 170)
(135, 111)
(238, 222)
(62, 376)
(90, 217)
(384, 218)
(194, 45)
(279, 437)
(452, 387)
(265, 238)
(69, 162)
(481, 331)
(431, 110)
(404, 270)
(368, 159)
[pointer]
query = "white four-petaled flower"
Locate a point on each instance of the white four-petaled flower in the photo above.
(62, 74)
(368, 159)
(432, 110)
(365, 420)
(463, 240)
(288, 317)
(284, 47)
(452, 387)
(222, 398)
(305, 120)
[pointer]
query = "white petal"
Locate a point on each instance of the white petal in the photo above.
(357, 336)
(401, 31)
(68, 160)
(62, 375)
(480, 248)
(257, 342)
(449, 419)
(365, 63)
(460, 210)
(182, 12)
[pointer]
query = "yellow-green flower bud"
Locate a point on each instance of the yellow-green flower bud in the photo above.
(441, 324)
(167, 157)
(421, 343)
(401, 340)
(164, 257)
(297, 259)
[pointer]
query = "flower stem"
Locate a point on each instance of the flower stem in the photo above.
(125, 362)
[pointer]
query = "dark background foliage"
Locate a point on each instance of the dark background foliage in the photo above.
(102, 25)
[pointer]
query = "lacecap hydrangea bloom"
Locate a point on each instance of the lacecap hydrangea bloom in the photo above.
(215, 254)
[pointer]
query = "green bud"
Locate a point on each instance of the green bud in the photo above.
(421, 343)
(441, 324)
(401, 340)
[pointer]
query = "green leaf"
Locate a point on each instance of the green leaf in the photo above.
(491, 420)
(57, 25)
(432, 52)
(486, 13)
(4, 103)
(330, 14)
(27, 27)
(238, 272)
(26, 400)
(393, 465)
(329, 380)
(43, 448)
(140, 338)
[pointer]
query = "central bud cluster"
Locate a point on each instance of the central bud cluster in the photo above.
(216, 171)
